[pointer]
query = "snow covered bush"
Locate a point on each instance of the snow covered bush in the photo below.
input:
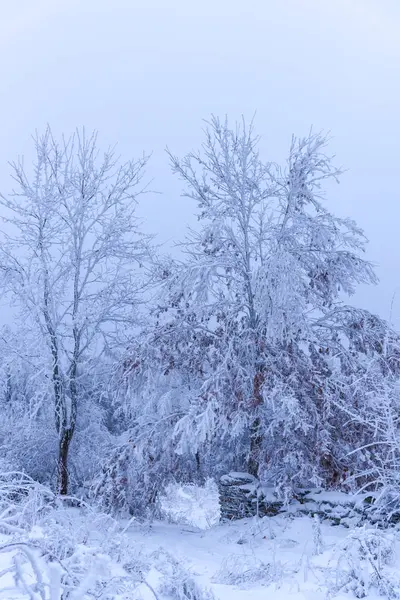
(365, 561)
(23, 502)
(244, 569)
(177, 583)
(29, 444)
(191, 504)
(317, 535)
(141, 463)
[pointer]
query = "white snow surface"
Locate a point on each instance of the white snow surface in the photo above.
(283, 557)
(256, 559)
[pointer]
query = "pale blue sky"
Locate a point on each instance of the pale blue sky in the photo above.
(145, 74)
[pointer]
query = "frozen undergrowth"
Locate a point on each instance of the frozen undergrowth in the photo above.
(50, 551)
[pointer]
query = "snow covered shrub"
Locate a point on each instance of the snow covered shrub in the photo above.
(28, 574)
(28, 439)
(38, 575)
(31, 446)
(191, 504)
(244, 569)
(317, 536)
(138, 469)
(375, 451)
(177, 583)
(363, 562)
(53, 552)
(125, 486)
(28, 436)
(23, 502)
(90, 447)
(63, 529)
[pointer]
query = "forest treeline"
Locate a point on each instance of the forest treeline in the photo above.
(125, 369)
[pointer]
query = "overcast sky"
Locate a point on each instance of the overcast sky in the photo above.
(146, 72)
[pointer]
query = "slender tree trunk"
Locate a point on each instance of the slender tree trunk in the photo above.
(256, 433)
(253, 463)
(65, 433)
(63, 453)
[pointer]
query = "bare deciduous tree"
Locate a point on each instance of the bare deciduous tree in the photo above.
(71, 254)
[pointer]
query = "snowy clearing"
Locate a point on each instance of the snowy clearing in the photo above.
(283, 556)
(252, 558)
(51, 552)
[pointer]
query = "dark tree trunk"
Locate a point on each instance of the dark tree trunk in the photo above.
(198, 463)
(256, 434)
(253, 464)
(63, 452)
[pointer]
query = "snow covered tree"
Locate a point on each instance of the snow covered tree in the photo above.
(254, 314)
(71, 255)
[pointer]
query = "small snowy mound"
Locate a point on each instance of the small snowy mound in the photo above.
(193, 505)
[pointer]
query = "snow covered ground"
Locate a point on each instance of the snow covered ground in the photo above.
(49, 552)
(276, 557)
